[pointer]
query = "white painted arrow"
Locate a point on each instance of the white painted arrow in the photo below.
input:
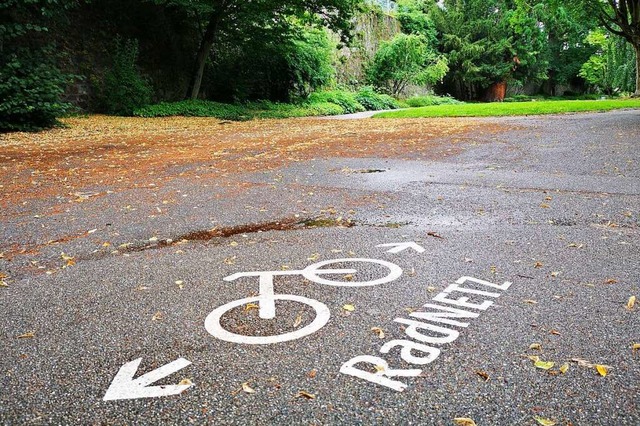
(398, 247)
(124, 386)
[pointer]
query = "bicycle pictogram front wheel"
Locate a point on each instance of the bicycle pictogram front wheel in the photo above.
(214, 326)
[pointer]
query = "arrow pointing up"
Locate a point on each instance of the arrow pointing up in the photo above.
(124, 386)
(398, 247)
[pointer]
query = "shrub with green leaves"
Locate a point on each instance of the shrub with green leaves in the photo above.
(429, 100)
(124, 89)
(30, 89)
(374, 101)
(346, 100)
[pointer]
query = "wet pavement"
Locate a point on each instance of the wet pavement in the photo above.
(291, 293)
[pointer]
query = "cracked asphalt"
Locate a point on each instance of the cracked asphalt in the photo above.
(102, 275)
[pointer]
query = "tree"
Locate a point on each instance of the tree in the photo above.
(226, 21)
(566, 25)
(488, 42)
(406, 59)
(611, 69)
(622, 18)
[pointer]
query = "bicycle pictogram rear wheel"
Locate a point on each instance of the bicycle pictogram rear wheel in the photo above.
(214, 326)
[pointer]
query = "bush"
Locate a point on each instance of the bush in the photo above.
(429, 100)
(373, 101)
(193, 108)
(124, 89)
(30, 89)
(346, 100)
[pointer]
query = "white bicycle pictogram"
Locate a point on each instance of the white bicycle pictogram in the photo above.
(267, 297)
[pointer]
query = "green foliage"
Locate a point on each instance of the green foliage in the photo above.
(373, 101)
(611, 69)
(282, 69)
(406, 59)
(30, 89)
(193, 108)
(414, 18)
(430, 100)
(31, 84)
(488, 41)
(250, 110)
(308, 60)
(346, 100)
(124, 89)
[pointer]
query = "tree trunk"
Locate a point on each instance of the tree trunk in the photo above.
(496, 92)
(637, 92)
(206, 44)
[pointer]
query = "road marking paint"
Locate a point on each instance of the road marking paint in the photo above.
(424, 332)
(398, 247)
(124, 386)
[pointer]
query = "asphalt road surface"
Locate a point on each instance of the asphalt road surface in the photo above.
(513, 305)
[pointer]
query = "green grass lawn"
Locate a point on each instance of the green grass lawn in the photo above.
(511, 108)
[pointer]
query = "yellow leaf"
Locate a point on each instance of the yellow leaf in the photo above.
(230, 260)
(631, 302)
(602, 370)
(464, 421)
(378, 331)
(157, 316)
(545, 205)
(184, 382)
(348, 277)
(298, 321)
(534, 358)
(635, 347)
(27, 335)
(564, 367)
(349, 308)
(306, 395)
(250, 306)
(544, 365)
(314, 257)
(483, 374)
(544, 422)
(379, 368)
(537, 346)
(3, 284)
(247, 389)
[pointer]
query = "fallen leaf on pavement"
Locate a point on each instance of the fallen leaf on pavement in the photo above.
(483, 374)
(537, 265)
(610, 281)
(536, 346)
(349, 308)
(27, 335)
(250, 306)
(544, 422)
(631, 302)
(635, 347)
(247, 389)
(298, 321)
(564, 367)
(602, 370)
(312, 374)
(157, 316)
(378, 331)
(184, 382)
(306, 395)
(433, 234)
(464, 421)
(531, 302)
(544, 365)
